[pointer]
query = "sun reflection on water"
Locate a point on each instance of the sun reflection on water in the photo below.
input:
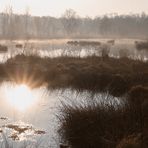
(20, 97)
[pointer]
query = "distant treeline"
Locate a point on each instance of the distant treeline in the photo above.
(69, 25)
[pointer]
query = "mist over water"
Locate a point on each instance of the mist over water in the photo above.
(58, 48)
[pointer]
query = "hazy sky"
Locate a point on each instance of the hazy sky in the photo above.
(82, 7)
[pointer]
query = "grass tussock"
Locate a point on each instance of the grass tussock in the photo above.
(141, 45)
(112, 42)
(3, 48)
(84, 43)
(133, 141)
(19, 45)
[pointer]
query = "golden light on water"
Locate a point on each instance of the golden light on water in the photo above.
(20, 97)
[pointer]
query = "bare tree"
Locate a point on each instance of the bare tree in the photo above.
(7, 22)
(27, 17)
(69, 20)
(4, 24)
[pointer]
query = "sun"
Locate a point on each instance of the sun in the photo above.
(20, 97)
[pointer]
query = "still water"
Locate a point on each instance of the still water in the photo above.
(28, 117)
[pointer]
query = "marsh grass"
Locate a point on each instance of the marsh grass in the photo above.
(92, 73)
(97, 124)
